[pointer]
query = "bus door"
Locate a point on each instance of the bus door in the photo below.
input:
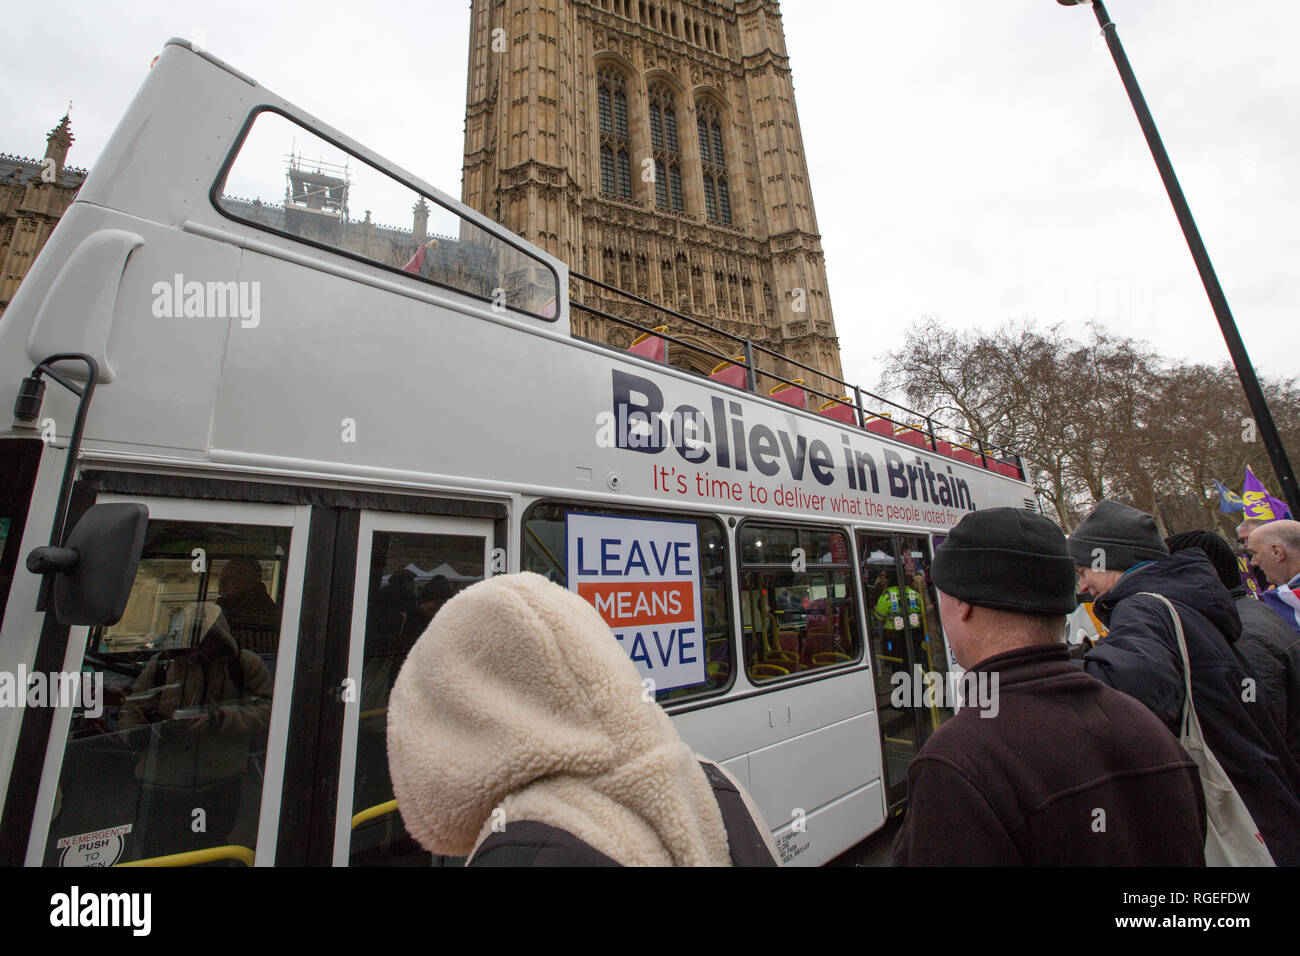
(408, 567)
(172, 741)
(907, 644)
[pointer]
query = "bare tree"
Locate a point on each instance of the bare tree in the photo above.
(1105, 417)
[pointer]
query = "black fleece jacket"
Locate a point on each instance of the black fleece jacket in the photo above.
(1272, 652)
(1067, 773)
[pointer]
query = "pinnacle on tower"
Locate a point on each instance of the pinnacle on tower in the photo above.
(58, 141)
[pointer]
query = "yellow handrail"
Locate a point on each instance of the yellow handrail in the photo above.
(830, 658)
(545, 550)
(373, 713)
(193, 857)
(370, 813)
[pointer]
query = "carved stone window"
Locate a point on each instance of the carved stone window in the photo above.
(615, 146)
(661, 185)
(664, 146)
(624, 174)
(713, 162)
(607, 170)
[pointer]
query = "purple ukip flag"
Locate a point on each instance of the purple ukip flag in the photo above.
(1260, 505)
(1247, 576)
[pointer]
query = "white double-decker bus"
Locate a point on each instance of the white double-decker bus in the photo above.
(276, 399)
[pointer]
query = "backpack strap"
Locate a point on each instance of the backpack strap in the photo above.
(529, 843)
(744, 840)
(1191, 726)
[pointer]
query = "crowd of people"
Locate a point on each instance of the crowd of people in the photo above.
(1090, 765)
(518, 732)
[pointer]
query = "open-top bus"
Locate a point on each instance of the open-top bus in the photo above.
(278, 434)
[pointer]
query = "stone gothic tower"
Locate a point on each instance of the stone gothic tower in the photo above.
(33, 195)
(655, 146)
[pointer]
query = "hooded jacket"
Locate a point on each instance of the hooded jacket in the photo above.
(1140, 657)
(518, 705)
(207, 708)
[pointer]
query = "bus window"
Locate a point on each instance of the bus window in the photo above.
(287, 180)
(797, 600)
(411, 576)
(169, 754)
(544, 553)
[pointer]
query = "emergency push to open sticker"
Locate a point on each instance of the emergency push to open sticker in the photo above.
(643, 576)
(97, 848)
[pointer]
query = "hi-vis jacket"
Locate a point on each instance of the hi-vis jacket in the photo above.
(892, 608)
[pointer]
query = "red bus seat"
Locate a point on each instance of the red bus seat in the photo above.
(729, 373)
(880, 424)
(912, 436)
(817, 642)
(790, 394)
(788, 639)
(651, 346)
(839, 410)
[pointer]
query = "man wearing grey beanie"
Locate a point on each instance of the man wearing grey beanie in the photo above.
(1118, 555)
(1056, 769)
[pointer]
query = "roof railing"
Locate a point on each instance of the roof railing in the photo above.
(920, 423)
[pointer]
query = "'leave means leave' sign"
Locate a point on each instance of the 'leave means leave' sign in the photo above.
(643, 576)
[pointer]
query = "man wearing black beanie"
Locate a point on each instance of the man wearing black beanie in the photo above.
(1119, 556)
(1270, 648)
(1060, 770)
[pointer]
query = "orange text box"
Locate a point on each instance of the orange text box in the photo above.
(634, 603)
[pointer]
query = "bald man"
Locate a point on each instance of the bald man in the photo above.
(1274, 548)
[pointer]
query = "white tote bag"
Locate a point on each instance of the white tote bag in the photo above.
(1231, 838)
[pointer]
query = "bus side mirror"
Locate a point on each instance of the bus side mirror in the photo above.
(94, 572)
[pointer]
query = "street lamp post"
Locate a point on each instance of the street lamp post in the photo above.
(1246, 371)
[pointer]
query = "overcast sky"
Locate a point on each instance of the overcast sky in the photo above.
(978, 161)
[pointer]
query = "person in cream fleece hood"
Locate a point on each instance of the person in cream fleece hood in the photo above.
(518, 707)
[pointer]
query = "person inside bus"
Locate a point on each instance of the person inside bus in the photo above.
(877, 588)
(436, 592)
(392, 605)
(1043, 765)
(206, 709)
(520, 734)
(894, 604)
(253, 617)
